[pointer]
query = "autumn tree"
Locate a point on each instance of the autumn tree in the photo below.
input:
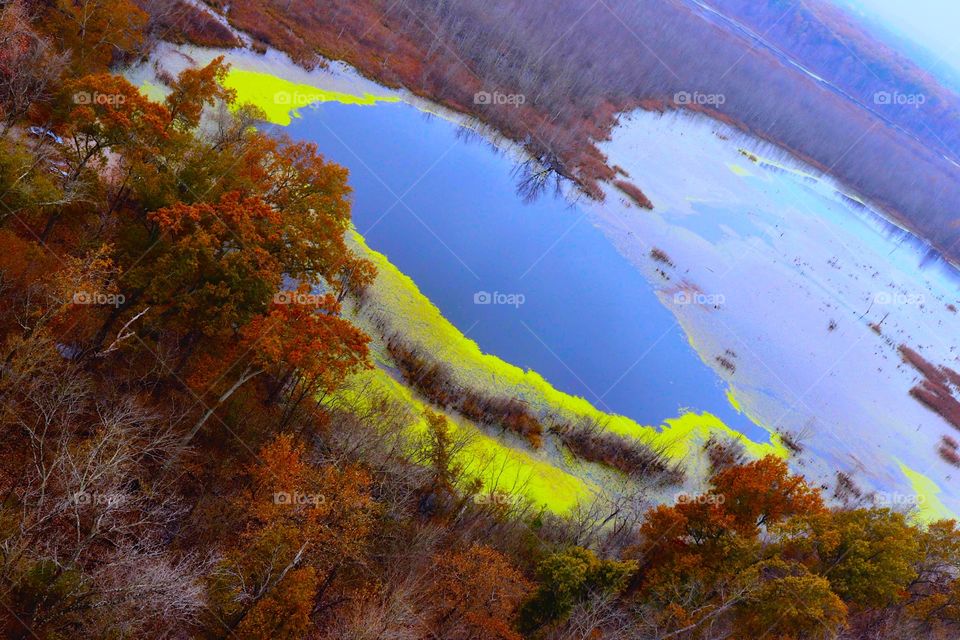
(195, 89)
(210, 270)
(762, 492)
(789, 604)
(30, 66)
(95, 31)
(474, 595)
(307, 351)
(304, 525)
(697, 556)
(933, 602)
(567, 578)
(440, 451)
(315, 198)
(870, 556)
(311, 192)
(98, 114)
(104, 112)
(29, 191)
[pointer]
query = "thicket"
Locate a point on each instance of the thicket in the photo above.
(176, 460)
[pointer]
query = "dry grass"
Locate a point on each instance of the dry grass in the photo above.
(726, 363)
(591, 441)
(724, 453)
(791, 441)
(436, 382)
(659, 255)
(633, 192)
(847, 490)
(949, 450)
(936, 390)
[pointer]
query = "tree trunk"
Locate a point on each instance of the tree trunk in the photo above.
(243, 379)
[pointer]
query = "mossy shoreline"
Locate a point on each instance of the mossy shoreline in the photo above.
(396, 297)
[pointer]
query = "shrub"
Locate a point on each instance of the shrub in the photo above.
(436, 381)
(589, 440)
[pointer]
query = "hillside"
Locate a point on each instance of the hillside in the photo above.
(225, 416)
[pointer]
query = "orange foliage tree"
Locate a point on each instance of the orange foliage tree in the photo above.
(95, 31)
(306, 349)
(703, 558)
(303, 525)
(474, 595)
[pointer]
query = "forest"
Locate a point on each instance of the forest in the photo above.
(836, 48)
(580, 63)
(173, 463)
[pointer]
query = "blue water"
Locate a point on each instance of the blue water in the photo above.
(589, 322)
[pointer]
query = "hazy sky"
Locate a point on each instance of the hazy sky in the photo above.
(935, 24)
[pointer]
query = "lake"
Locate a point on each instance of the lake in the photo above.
(768, 302)
(533, 283)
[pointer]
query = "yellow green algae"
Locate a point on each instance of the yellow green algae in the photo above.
(929, 506)
(495, 462)
(153, 91)
(738, 170)
(424, 325)
(499, 466)
(732, 399)
(280, 98)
